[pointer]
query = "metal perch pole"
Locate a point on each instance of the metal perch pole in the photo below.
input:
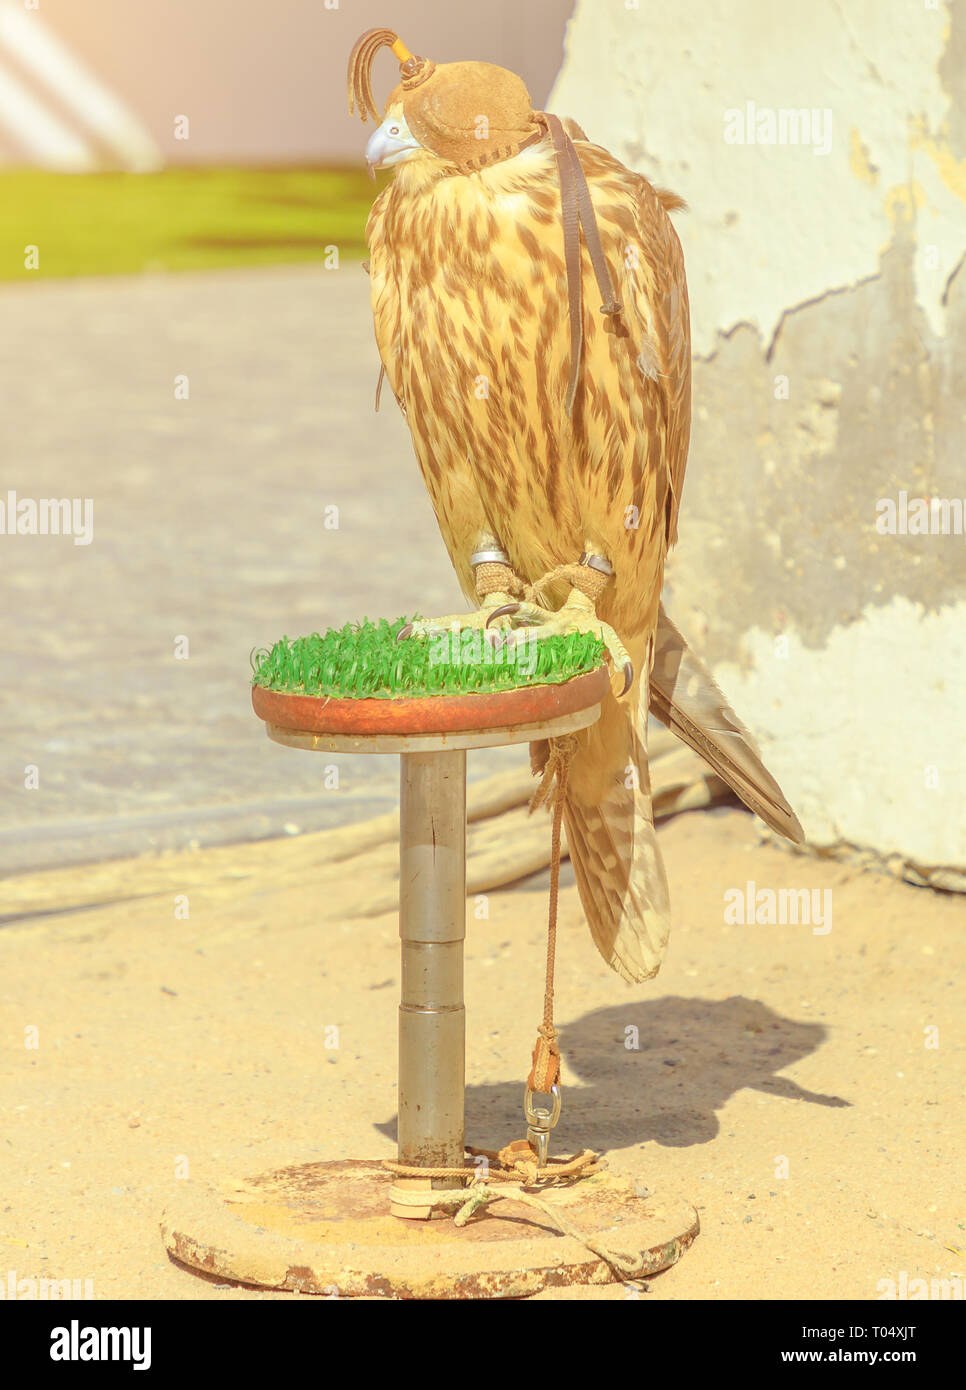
(432, 926)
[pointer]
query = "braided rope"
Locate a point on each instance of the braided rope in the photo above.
(493, 577)
(589, 581)
(467, 1201)
(545, 1070)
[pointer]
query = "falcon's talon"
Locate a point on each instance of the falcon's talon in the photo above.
(462, 622)
(576, 615)
(506, 611)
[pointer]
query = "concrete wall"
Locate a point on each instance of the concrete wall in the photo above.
(828, 304)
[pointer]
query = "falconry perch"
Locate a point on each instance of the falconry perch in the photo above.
(531, 314)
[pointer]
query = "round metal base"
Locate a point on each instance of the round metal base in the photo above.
(325, 1228)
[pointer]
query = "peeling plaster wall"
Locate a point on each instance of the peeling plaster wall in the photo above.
(828, 301)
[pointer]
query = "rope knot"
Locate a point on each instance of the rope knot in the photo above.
(545, 1070)
(534, 593)
(562, 750)
(520, 1158)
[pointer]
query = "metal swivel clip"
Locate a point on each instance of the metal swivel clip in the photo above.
(540, 1121)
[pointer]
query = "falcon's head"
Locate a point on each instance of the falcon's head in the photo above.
(466, 114)
(392, 142)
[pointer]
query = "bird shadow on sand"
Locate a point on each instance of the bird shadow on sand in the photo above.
(655, 1071)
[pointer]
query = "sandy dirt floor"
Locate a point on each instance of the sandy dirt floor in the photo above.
(804, 1090)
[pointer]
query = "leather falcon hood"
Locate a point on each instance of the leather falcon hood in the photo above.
(470, 114)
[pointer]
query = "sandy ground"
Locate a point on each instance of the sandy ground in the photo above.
(782, 1081)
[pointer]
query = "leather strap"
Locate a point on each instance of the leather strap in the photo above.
(577, 214)
(570, 217)
(482, 161)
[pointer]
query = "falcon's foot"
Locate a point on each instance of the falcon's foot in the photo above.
(577, 614)
(484, 618)
(495, 583)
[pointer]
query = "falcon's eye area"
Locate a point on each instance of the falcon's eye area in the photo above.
(391, 143)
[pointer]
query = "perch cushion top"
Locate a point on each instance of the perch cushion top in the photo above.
(364, 661)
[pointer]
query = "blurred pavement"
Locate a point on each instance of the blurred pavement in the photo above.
(209, 523)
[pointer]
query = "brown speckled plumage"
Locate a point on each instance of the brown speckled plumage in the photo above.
(470, 305)
(469, 296)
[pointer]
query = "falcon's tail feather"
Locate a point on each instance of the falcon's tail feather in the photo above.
(685, 697)
(612, 842)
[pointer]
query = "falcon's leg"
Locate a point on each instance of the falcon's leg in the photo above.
(577, 614)
(496, 585)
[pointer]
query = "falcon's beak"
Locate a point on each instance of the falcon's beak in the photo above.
(392, 142)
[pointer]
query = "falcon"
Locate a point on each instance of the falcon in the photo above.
(531, 313)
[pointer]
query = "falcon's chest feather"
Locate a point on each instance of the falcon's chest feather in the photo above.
(490, 237)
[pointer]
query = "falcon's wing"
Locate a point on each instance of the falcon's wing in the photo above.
(685, 697)
(384, 292)
(655, 296)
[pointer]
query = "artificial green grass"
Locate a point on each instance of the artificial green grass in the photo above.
(364, 661)
(179, 219)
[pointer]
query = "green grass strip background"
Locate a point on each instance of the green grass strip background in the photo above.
(179, 219)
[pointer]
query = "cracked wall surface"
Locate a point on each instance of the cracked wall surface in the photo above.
(828, 301)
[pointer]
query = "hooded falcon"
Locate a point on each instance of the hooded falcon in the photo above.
(531, 314)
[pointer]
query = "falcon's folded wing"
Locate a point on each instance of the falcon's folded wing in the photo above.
(684, 696)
